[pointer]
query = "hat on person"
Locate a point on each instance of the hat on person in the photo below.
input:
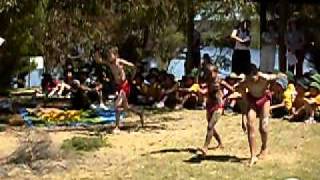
(315, 85)
(283, 82)
(290, 76)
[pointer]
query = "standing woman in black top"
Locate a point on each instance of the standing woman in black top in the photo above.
(241, 55)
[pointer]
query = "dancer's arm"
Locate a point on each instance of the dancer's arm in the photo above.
(125, 62)
(227, 85)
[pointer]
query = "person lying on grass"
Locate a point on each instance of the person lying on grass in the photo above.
(214, 105)
(254, 90)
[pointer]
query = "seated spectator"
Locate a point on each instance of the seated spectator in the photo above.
(154, 71)
(93, 89)
(169, 93)
(298, 111)
(47, 84)
(61, 88)
(282, 98)
(189, 94)
(153, 89)
(138, 91)
(312, 100)
(79, 98)
(162, 76)
(230, 97)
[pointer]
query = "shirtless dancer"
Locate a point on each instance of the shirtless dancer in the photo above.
(117, 65)
(255, 92)
(214, 105)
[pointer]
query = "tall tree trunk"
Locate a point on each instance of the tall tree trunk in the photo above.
(283, 30)
(190, 31)
(263, 16)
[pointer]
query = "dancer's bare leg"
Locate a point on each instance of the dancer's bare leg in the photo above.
(263, 128)
(251, 117)
(243, 123)
(125, 105)
(118, 108)
(212, 119)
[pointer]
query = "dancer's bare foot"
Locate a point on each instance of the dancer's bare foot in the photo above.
(219, 146)
(262, 154)
(253, 161)
(116, 130)
(203, 151)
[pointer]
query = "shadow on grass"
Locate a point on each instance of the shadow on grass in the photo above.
(159, 111)
(165, 119)
(197, 159)
(175, 150)
(108, 128)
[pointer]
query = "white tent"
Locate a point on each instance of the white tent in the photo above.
(33, 79)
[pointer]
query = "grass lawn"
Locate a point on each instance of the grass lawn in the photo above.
(166, 150)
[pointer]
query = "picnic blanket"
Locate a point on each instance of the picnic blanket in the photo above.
(92, 117)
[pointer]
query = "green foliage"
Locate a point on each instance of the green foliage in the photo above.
(52, 27)
(83, 144)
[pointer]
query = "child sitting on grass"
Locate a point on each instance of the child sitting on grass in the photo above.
(190, 93)
(283, 96)
(138, 91)
(230, 96)
(59, 88)
(298, 111)
(153, 89)
(312, 100)
(169, 93)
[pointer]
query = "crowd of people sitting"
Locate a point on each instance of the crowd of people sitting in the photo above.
(93, 85)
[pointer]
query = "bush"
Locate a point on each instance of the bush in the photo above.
(83, 143)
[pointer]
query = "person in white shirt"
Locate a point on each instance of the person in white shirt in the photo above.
(241, 55)
(295, 44)
(268, 50)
